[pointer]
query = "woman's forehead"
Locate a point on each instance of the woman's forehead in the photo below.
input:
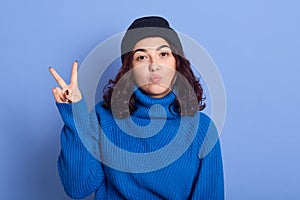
(151, 43)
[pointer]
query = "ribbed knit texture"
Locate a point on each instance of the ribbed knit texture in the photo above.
(187, 177)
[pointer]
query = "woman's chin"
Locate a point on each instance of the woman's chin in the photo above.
(158, 91)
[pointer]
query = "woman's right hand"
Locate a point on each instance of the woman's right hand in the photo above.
(66, 93)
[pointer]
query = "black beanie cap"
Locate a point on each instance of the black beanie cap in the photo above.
(151, 26)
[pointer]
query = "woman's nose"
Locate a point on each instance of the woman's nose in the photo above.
(153, 65)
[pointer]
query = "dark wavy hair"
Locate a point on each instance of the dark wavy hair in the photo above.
(189, 92)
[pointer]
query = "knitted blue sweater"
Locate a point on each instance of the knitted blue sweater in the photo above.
(159, 154)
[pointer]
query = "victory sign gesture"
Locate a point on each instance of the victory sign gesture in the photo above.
(66, 93)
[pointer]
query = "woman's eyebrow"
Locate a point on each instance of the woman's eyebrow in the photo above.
(162, 46)
(143, 50)
(157, 49)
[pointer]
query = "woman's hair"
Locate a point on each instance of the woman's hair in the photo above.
(189, 98)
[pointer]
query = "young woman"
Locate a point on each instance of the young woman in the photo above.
(151, 108)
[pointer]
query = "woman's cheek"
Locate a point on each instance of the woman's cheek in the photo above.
(140, 79)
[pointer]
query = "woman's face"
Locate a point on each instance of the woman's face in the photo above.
(154, 66)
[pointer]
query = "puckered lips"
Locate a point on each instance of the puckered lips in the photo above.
(155, 78)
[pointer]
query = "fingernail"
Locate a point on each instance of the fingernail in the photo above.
(76, 61)
(67, 92)
(50, 67)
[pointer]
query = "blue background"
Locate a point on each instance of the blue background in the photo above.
(255, 44)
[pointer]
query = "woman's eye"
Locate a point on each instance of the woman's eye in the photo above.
(164, 54)
(141, 58)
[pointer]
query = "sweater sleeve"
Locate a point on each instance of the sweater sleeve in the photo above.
(209, 183)
(80, 172)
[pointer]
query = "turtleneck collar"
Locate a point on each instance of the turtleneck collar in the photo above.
(145, 102)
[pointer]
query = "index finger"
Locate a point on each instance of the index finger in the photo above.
(74, 73)
(57, 77)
